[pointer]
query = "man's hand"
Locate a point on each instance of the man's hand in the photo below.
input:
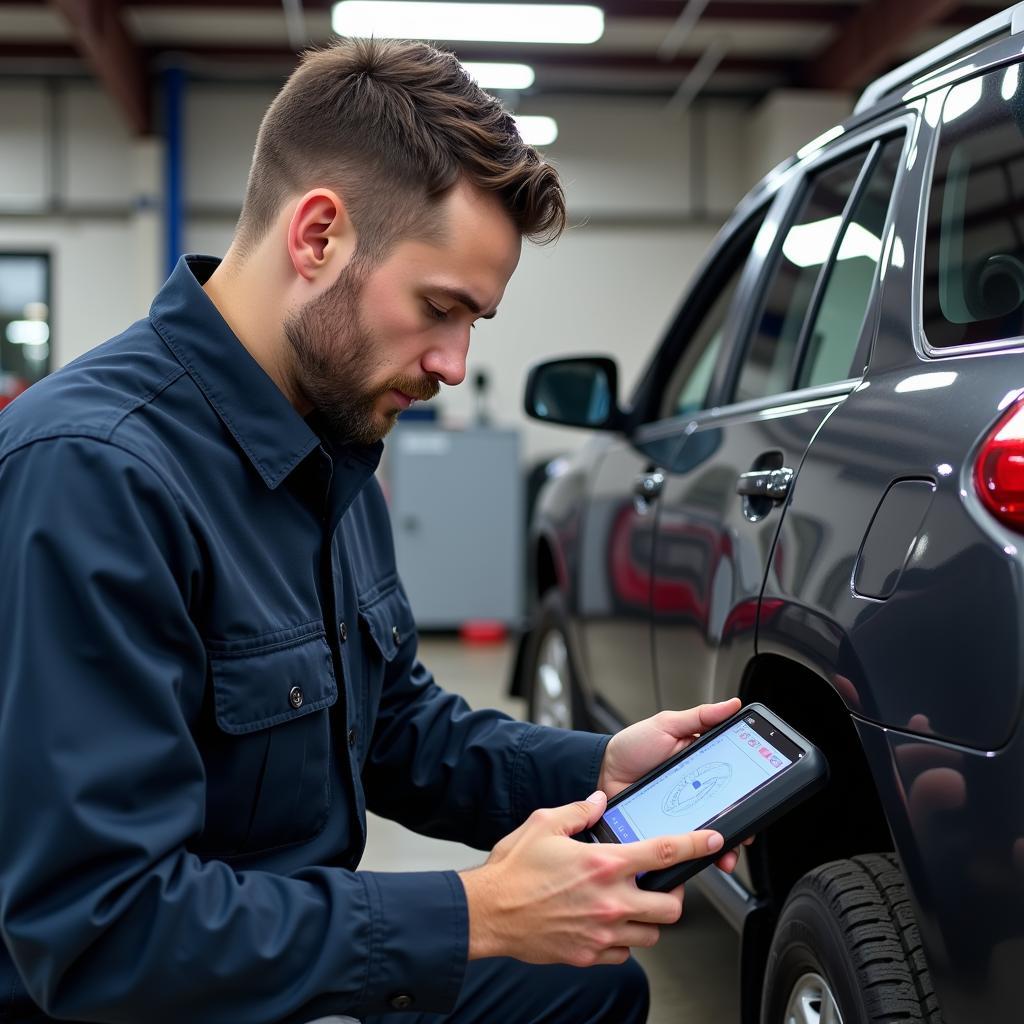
(545, 898)
(634, 751)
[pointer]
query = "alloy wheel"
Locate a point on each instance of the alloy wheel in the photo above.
(553, 686)
(812, 1002)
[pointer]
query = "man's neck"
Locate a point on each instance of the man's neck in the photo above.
(245, 296)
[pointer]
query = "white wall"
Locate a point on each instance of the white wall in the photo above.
(76, 184)
(786, 120)
(646, 190)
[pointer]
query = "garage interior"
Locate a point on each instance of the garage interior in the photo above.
(126, 130)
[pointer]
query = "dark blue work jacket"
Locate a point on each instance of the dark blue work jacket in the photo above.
(209, 673)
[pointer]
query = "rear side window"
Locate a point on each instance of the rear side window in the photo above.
(768, 362)
(837, 326)
(974, 253)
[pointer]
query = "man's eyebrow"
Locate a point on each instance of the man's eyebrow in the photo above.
(467, 300)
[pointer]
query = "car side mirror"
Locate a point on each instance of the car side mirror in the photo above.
(577, 392)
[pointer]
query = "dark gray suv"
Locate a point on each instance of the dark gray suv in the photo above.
(815, 499)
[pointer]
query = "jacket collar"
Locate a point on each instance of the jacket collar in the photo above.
(265, 424)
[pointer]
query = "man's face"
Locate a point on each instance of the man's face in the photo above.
(383, 336)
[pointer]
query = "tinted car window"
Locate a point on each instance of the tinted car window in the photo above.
(688, 386)
(768, 363)
(974, 256)
(840, 316)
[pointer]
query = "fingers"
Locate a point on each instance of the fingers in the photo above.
(727, 862)
(569, 819)
(698, 719)
(658, 907)
(664, 851)
(636, 935)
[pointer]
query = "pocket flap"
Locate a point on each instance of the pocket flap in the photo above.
(276, 680)
(389, 621)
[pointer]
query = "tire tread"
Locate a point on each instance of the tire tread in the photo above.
(869, 899)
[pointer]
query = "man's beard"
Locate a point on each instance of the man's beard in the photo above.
(336, 359)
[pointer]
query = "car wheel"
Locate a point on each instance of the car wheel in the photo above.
(847, 950)
(552, 690)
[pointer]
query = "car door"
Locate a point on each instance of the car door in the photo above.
(616, 540)
(800, 331)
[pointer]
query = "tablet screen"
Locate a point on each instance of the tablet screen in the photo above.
(699, 787)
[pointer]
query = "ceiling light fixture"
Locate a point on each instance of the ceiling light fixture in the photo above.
(498, 23)
(500, 76)
(536, 131)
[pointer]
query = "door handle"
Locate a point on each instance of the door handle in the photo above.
(649, 485)
(766, 483)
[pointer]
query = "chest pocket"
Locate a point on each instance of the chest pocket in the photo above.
(267, 750)
(388, 626)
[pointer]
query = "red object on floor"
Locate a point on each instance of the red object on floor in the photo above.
(482, 631)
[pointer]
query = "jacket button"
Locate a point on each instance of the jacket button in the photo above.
(351, 737)
(402, 1001)
(396, 634)
(343, 631)
(295, 697)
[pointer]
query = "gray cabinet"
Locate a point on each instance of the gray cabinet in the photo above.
(457, 507)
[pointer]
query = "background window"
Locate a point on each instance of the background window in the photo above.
(840, 317)
(768, 364)
(974, 256)
(24, 322)
(688, 386)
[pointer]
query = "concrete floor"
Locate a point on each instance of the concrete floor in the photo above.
(693, 969)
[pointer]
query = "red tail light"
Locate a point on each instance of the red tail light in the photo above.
(999, 471)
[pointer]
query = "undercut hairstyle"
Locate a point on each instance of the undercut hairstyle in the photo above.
(393, 126)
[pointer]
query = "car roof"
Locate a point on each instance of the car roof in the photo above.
(991, 42)
(947, 61)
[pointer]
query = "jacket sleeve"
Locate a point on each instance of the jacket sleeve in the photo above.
(105, 913)
(473, 776)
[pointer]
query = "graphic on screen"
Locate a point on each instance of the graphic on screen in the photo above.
(696, 785)
(696, 789)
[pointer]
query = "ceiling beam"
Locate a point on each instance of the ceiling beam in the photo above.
(872, 40)
(107, 47)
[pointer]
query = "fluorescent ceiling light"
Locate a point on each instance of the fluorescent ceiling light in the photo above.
(499, 23)
(537, 131)
(500, 76)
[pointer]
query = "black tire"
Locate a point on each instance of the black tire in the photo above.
(850, 924)
(550, 630)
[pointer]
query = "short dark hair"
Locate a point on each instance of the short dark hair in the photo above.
(393, 126)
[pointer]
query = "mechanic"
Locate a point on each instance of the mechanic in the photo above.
(210, 668)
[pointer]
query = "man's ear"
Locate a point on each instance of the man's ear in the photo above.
(321, 236)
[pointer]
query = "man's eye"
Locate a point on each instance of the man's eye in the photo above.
(436, 312)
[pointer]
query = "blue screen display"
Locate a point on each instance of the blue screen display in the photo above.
(696, 789)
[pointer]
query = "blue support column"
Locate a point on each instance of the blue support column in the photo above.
(174, 85)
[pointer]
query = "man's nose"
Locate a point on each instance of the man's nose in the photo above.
(447, 362)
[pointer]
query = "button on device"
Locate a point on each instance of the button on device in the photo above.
(396, 634)
(295, 697)
(351, 737)
(343, 631)
(402, 1001)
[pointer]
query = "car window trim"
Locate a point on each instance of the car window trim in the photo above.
(791, 193)
(768, 407)
(921, 343)
(858, 359)
(825, 274)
